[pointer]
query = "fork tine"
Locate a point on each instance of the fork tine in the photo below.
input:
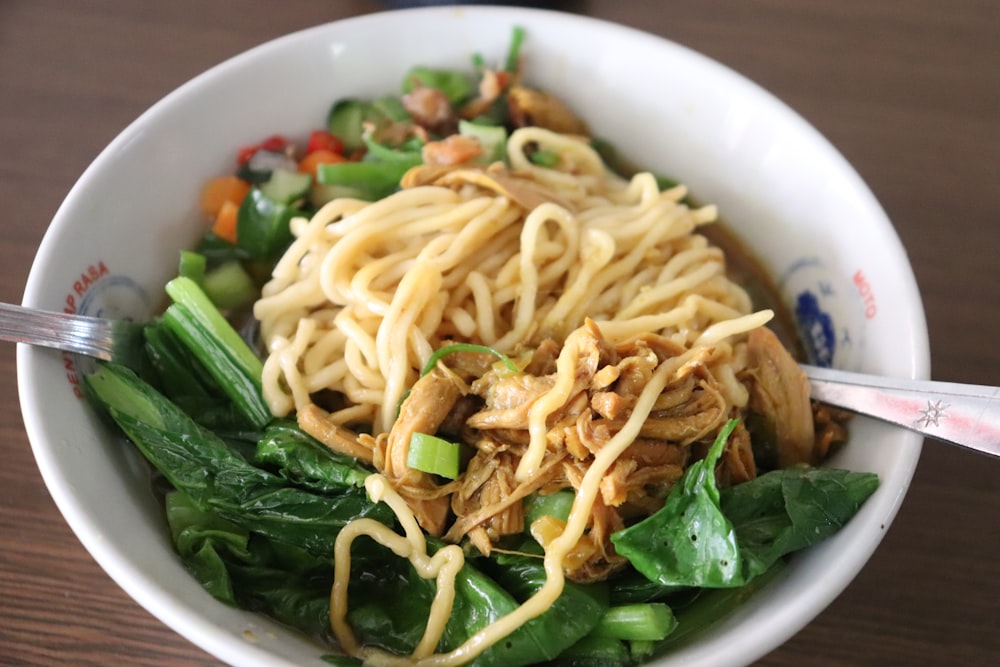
(110, 340)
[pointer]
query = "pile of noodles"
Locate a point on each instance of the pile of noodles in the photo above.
(368, 291)
(504, 256)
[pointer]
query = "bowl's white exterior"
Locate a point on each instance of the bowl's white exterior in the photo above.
(779, 184)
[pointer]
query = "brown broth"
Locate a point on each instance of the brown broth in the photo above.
(746, 270)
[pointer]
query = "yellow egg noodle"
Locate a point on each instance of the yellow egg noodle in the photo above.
(502, 256)
(367, 291)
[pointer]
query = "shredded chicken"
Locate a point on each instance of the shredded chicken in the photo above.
(491, 87)
(316, 422)
(471, 398)
(441, 169)
(530, 107)
(452, 150)
(429, 107)
(424, 410)
(779, 396)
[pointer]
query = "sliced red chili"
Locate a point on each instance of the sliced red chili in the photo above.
(274, 143)
(324, 140)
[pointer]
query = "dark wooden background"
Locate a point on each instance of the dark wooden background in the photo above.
(908, 90)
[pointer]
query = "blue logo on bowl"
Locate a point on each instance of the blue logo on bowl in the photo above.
(816, 328)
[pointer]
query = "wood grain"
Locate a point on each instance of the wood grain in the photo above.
(908, 90)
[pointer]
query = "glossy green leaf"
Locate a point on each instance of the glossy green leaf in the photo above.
(688, 542)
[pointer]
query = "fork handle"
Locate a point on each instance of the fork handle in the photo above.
(961, 414)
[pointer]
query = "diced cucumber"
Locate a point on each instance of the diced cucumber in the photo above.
(388, 108)
(229, 286)
(346, 121)
(493, 139)
(286, 187)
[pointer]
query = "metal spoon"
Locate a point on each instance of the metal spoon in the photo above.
(961, 414)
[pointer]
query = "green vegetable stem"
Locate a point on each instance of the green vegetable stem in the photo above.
(213, 341)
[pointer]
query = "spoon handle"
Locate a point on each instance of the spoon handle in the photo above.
(960, 414)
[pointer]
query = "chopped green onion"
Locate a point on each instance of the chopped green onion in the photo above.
(341, 660)
(405, 155)
(370, 181)
(649, 621)
(191, 265)
(434, 455)
(466, 347)
(514, 51)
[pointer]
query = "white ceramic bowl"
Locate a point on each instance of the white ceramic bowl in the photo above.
(779, 184)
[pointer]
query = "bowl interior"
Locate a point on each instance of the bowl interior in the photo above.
(779, 185)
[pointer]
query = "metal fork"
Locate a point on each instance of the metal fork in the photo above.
(119, 341)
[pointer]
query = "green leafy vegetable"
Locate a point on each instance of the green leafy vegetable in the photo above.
(705, 538)
(204, 542)
(172, 366)
(688, 542)
(306, 462)
(594, 651)
(697, 610)
(199, 325)
(787, 510)
(571, 617)
(216, 477)
(482, 596)
(262, 225)
(557, 504)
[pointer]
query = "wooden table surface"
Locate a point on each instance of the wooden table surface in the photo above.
(908, 90)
